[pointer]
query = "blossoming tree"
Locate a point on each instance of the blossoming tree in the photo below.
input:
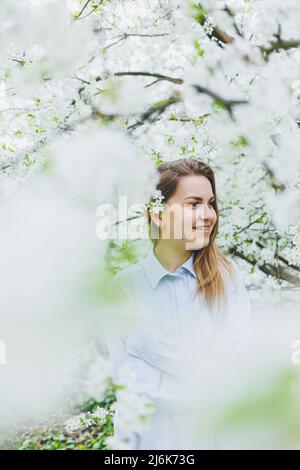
(95, 93)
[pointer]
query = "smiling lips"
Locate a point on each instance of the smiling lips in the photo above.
(202, 228)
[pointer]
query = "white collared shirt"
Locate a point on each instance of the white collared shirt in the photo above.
(159, 347)
(168, 317)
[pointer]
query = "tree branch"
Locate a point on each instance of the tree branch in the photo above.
(127, 35)
(232, 15)
(224, 38)
(215, 33)
(177, 81)
(277, 185)
(281, 258)
(279, 44)
(82, 9)
(227, 104)
(277, 271)
(221, 35)
(157, 109)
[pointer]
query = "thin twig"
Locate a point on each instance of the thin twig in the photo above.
(178, 81)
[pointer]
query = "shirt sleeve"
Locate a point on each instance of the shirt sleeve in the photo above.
(149, 342)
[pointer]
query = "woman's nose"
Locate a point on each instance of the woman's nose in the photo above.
(205, 212)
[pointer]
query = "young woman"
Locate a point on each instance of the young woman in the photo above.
(184, 290)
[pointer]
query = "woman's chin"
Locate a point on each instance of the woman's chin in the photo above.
(197, 243)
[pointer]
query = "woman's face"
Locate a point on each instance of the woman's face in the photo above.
(189, 215)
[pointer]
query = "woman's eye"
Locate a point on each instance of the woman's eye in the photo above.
(195, 204)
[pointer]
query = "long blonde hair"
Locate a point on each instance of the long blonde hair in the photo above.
(208, 260)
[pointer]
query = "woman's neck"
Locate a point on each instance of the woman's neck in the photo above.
(170, 256)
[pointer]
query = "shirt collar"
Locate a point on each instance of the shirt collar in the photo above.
(156, 271)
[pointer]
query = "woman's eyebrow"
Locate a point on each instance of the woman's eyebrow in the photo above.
(198, 198)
